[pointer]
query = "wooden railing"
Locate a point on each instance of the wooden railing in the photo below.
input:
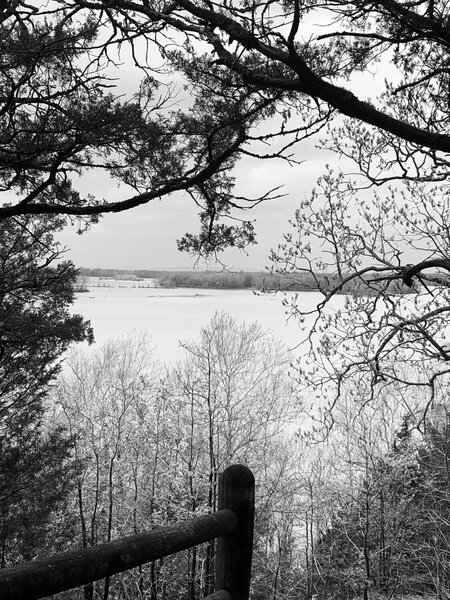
(232, 524)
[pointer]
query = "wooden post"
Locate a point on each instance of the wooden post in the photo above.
(234, 551)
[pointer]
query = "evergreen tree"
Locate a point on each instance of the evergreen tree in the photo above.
(392, 535)
(36, 327)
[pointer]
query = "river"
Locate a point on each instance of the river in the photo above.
(116, 308)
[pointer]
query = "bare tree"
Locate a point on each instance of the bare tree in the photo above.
(103, 397)
(379, 261)
(235, 397)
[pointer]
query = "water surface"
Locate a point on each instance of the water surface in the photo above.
(172, 314)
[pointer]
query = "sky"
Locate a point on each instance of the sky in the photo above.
(145, 237)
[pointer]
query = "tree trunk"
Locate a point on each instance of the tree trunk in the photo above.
(88, 589)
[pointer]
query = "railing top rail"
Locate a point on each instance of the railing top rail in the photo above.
(232, 524)
(41, 578)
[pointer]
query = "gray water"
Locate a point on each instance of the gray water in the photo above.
(172, 314)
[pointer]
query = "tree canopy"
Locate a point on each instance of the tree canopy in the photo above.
(261, 76)
(36, 325)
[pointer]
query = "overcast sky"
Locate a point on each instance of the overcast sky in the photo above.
(145, 237)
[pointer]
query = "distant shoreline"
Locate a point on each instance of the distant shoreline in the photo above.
(217, 280)
(302, 281)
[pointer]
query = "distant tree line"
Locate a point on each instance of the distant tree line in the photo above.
(208, 279)
(299, 281)
(230, 280)
(120, 273)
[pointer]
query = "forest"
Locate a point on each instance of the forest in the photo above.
(111, 105)
(127, 445)
(111, 443)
